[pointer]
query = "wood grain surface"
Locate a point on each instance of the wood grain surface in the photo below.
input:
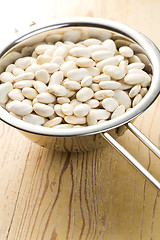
(48, 195)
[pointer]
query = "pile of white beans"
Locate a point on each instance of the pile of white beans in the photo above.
(69, 84)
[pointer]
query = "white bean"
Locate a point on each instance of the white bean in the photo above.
(7, 77)
(69, 44)
(17, 71)
(84, 94)
(99, 33)
(134, 91)
(119, 58)
(136, 100)
(70, 94)
(143, 91)
(126, 51)
(123, 64)
(56, 78)
(24, 83)
(34, 119)
(77, 74)
(114, 72)
(72, 85)
(58, 43)
(145, 60)
(29, 93)
(95, 87)
(64, 81)
(49, 52)
(110, 104)
(86, 81)
(72, 35)
(24, 76)
(19, 108)
(5, 88)
(124, 86)
(16, 94)
(10, 67)
(91, 41)
(27, 51)
(8, 59)
(70, 58)
(118, 111)
(34, 54)
(122, 42)
(80, 52)
(110, 44)
(84, 62)
(58, 90)
(109, 61)
(35, 100)
(74, 102)
(53, 38)
(93, 103)
(40, 86)
(134, 78)
(34, 67)
(67, 109)
(75, 120)
(58, 60)
(58, 110)
(91, 119)
(24, 62)
(61, 51)
(110, 85)
(27, 101)
(122, 98)
(53, 122)
(147, 81)
(100, 114)
(42, 75)
(46, 97)
(43, 109)
(40, 49)
(81, 110)
(50, 67)
(134, 59)
(62, 100)
(93, 71)
(147, 77)
(101, 55)
(53, 116)
(43, 59)
(137, 65)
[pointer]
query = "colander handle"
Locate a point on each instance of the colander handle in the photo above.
(130, 158)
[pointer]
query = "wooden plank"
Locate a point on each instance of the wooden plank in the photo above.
(12, 164)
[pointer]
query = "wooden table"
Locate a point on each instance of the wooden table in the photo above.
(90, 195)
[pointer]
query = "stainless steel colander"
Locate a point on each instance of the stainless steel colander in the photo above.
(94, 27)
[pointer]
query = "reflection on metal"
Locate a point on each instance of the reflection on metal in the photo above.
(144, 139)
